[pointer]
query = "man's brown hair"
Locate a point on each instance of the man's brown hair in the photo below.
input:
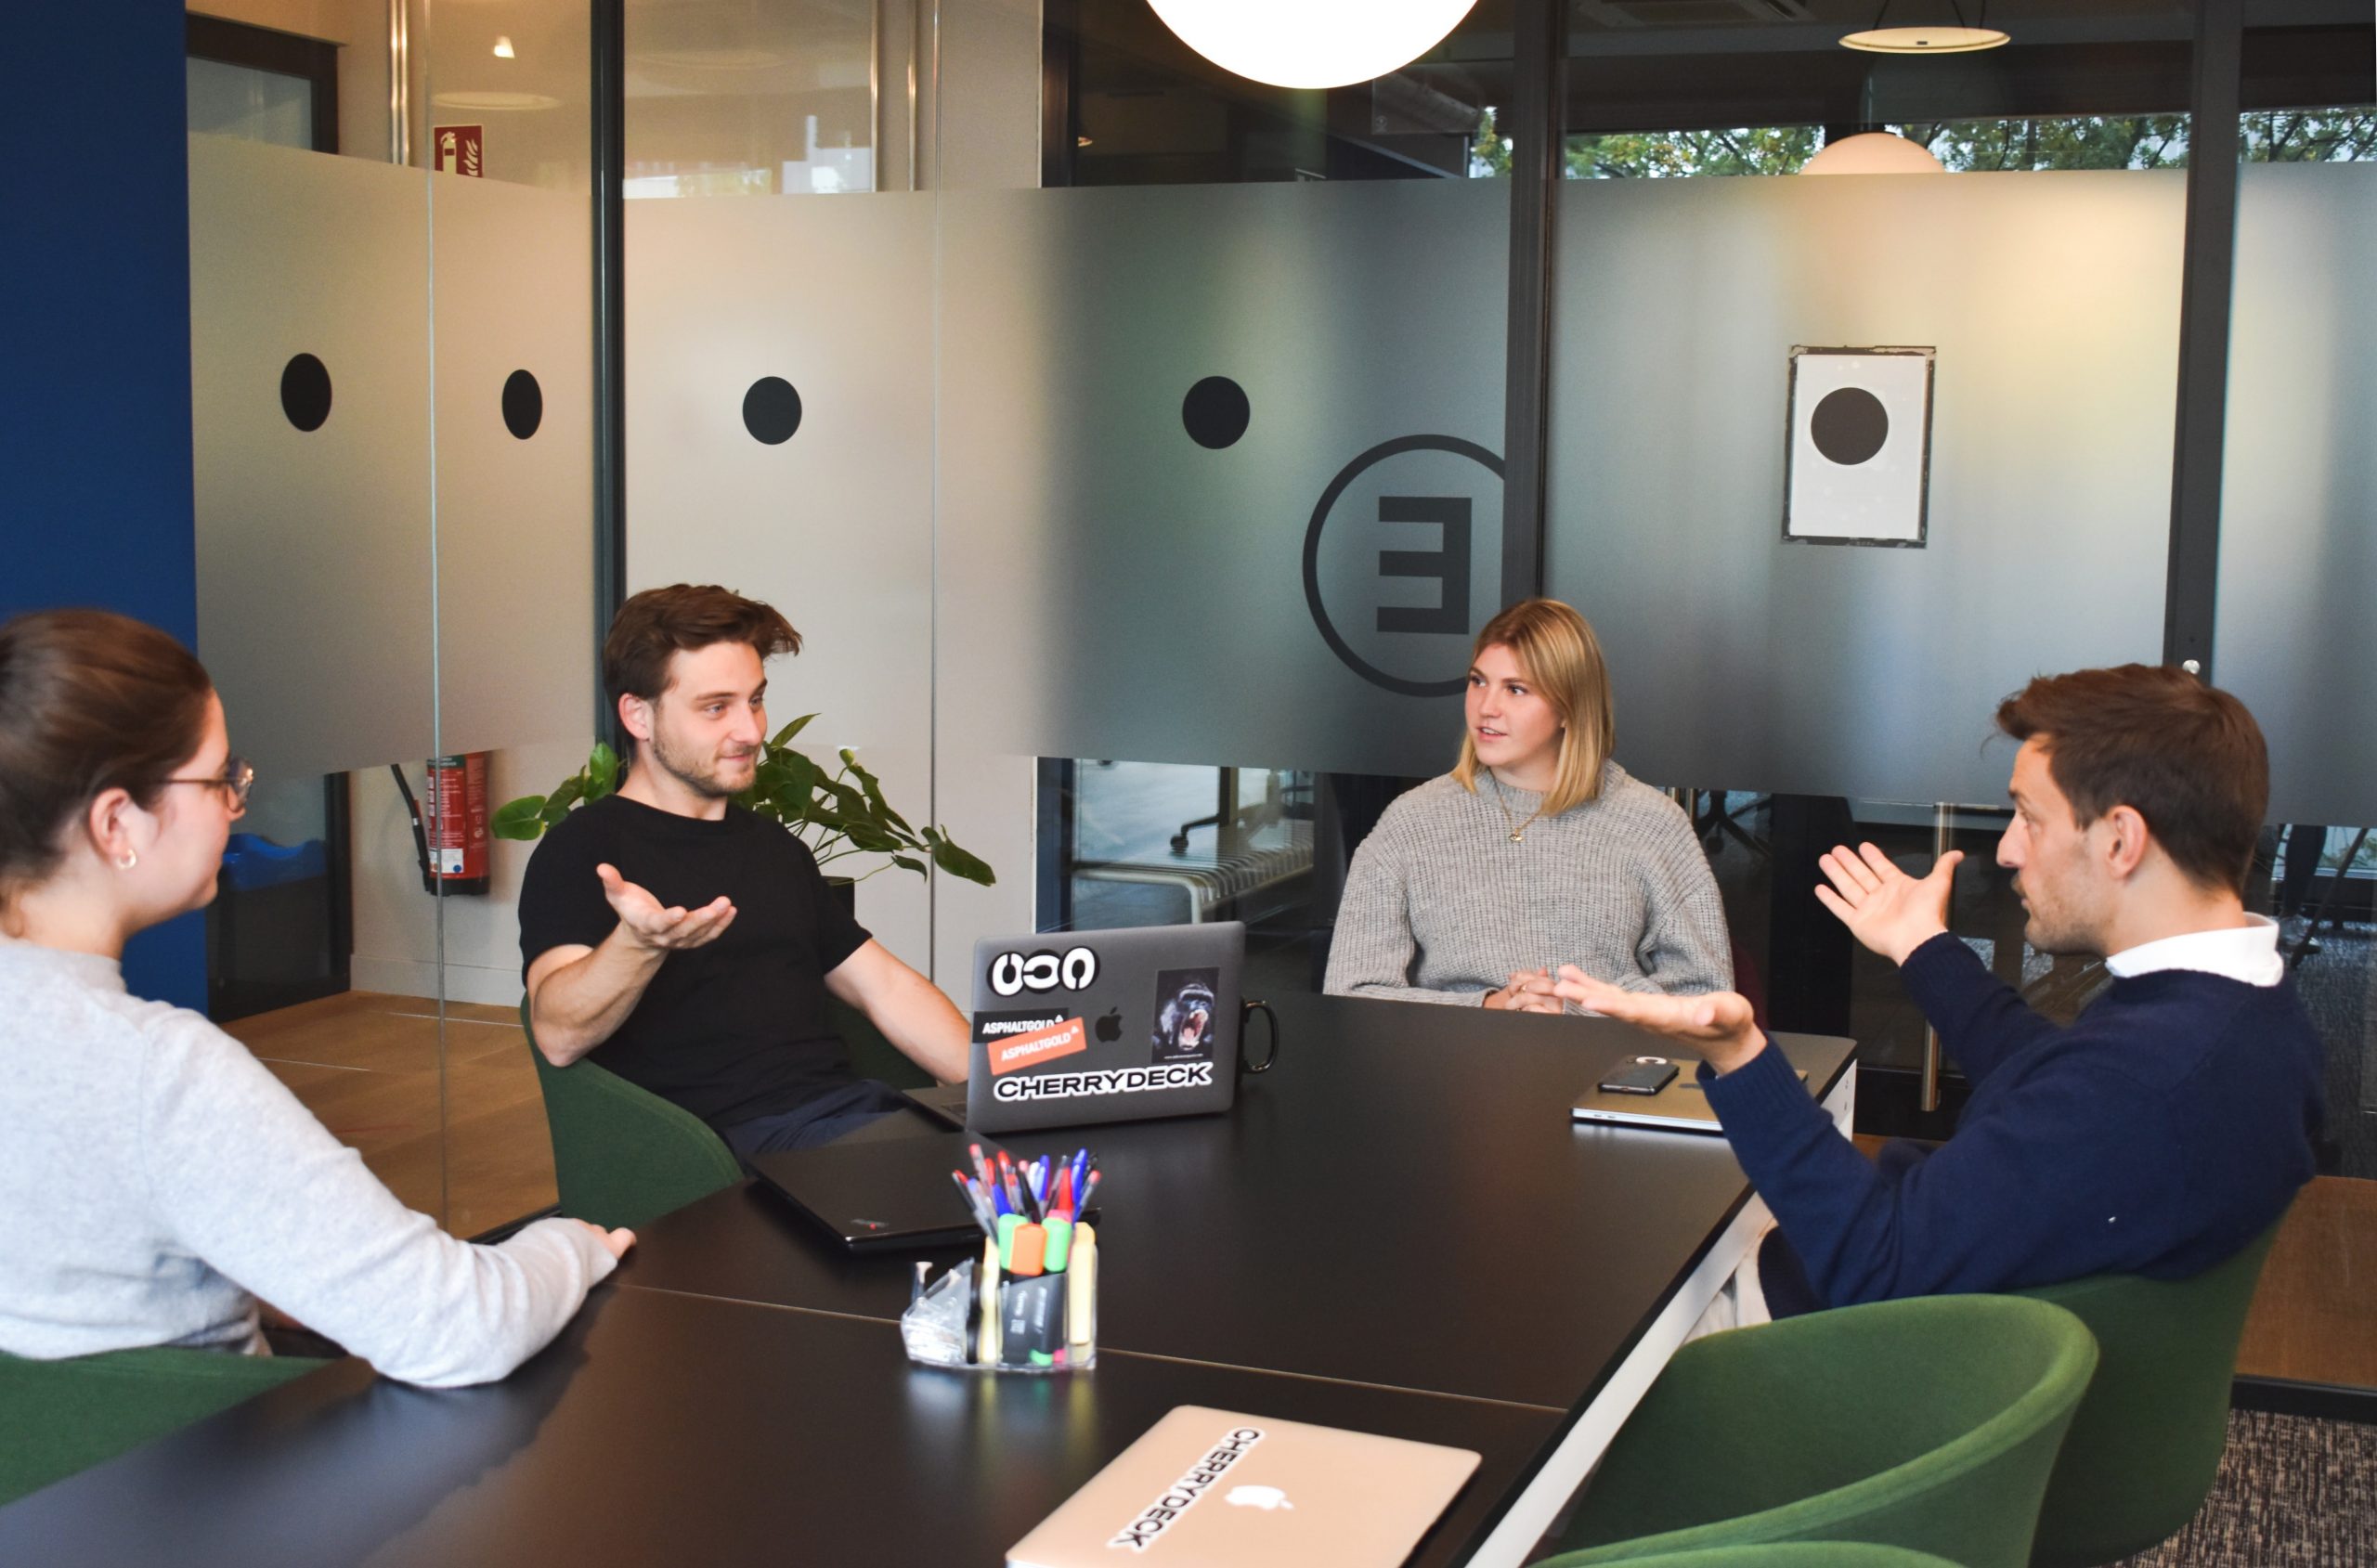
(655, 625)
(2185, 756)
(90, 701)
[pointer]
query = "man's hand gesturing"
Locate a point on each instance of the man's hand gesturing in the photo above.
(648, 925)
(1883, 907)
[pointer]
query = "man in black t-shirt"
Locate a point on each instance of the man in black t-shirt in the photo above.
(690, 942)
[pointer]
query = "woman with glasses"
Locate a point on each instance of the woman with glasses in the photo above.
(1537, 849)
(156, 1180)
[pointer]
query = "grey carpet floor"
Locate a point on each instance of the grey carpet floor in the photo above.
(2292, 1492)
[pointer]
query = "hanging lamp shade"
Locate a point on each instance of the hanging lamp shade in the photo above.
(1923, 40)
(1873, 152)
(1311, 43)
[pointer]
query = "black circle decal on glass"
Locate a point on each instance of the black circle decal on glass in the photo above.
(1850, 425)
(772, 410)
(524, 403)
(1214, 413)
(305, 392)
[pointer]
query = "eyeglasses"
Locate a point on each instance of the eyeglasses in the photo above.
(236, 779)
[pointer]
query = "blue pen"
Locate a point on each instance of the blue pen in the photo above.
(1081, 1174)
(998, 1202)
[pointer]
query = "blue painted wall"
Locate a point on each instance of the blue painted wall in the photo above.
(94, 409)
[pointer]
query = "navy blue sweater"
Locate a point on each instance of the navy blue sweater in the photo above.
(2164, 1129)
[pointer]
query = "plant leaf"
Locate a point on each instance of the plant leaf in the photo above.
(959, 863)
(882, 809)
(522, 819)
(783, 736)
(909, 862)
(601, 772)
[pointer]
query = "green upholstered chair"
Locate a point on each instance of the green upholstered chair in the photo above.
(1796, 1554)
(1931, 1424)
(66, 1416)
(2143, 1450)
(871, 1054)
(623, 1155)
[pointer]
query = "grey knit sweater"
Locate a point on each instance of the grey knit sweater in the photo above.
(1441, 906)
(155, 1180)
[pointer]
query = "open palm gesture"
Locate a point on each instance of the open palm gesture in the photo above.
(1883, 907)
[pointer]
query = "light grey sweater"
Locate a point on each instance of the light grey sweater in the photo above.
(155, 1180)
(1441, 906)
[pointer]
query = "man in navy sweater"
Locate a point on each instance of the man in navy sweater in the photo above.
(2162, 1129)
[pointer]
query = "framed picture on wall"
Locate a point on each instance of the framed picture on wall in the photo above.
(1857, 459)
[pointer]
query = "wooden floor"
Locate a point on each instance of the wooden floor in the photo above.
(368, 1066)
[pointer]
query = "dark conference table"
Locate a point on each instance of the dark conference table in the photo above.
(1398, 1231)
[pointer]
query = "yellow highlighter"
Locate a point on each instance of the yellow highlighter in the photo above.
(987, 1350)
(1081, 1287)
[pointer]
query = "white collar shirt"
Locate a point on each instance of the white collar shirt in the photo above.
(2247, 953)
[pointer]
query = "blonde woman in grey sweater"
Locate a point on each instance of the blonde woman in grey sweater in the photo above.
(1536, 850)
(156, 1179)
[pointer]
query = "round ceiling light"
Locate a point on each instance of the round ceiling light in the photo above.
(1311, 43)
(1925, 40)
(1873, 152)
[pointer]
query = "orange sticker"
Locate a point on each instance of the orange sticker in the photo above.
(1023, 1050)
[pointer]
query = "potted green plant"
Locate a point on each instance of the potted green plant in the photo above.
(838, 814)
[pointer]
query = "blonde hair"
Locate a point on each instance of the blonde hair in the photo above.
(1561, 658)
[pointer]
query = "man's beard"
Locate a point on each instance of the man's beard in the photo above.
(700, 775)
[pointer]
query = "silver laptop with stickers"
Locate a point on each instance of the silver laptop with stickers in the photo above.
(1104, 1026)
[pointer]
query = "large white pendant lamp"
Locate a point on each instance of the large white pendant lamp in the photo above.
(1311, 43)
(1873, 152)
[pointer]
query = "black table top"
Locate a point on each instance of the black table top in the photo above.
(1398, 1231)
(1405, 1201)
(667, 1428)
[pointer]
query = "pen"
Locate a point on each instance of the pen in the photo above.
(982, 1167)
(1081, 1174)
(973, 1203)
(916, 1291)
(1014, 1187)
(1089, 1191)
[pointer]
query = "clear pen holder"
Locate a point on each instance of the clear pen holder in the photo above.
(978, 1317)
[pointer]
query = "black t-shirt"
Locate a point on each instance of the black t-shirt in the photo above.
(734, 1030)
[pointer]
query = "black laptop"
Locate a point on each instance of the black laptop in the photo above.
(895, 1191)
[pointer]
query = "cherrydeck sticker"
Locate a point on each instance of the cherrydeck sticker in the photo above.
(1119, 1081)
(1141, 1533)
(1014, 1051)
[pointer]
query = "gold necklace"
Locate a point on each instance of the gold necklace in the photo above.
(1518, 829)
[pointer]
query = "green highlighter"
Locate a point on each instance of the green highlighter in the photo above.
(1008, 1225)
(1060, 1246)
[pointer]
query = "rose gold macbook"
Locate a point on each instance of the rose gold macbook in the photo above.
(1217, 1489)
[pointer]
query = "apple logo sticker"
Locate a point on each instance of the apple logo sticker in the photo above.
(1264, 1498)
(1110, 1027)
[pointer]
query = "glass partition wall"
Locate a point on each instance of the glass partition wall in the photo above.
(392, 368)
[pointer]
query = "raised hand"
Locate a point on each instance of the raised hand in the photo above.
(1883, 907)
(1718, 1025)
(670, 930)
(1529, 991)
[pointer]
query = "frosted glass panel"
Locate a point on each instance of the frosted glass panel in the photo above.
(515, 530)
(1124, 536)
(2295, 635)
(1743, 661)
(813, 492)
(313, 544)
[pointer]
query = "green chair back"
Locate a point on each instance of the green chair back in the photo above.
(1796, 1554)
(67, 1416)
(871, 1056)
(2143, 1450)
(623, 1155)
(1930, 1424)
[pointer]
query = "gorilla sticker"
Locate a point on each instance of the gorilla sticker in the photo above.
(1184, 1014)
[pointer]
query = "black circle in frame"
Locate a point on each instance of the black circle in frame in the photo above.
(305, 392)
(1215, 412)
(1850, 425)
(524, 403)
(772, 410)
